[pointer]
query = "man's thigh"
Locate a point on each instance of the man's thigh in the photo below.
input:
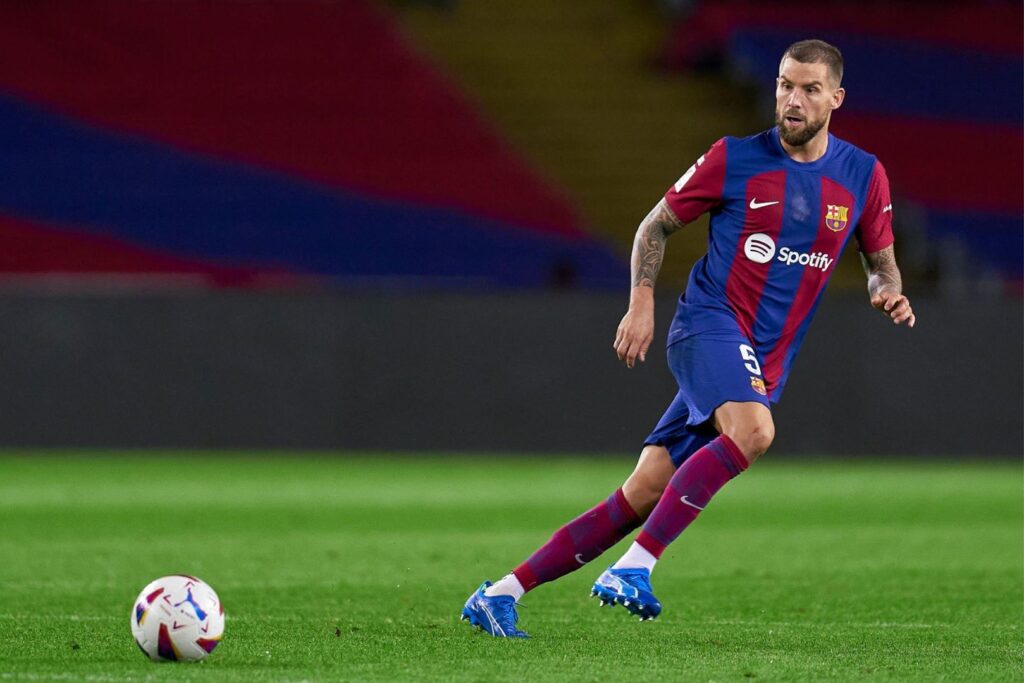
(712, 369)
(732, 416)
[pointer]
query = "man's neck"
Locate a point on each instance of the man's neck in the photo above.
(812, 151)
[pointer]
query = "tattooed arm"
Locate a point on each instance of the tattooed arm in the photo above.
(649, 244)
(885, 287)
(636, 331)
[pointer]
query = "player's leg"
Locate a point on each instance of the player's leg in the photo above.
(749, 425)
(589, 535)
(586, 537)
(628, 581)
(492, 606)
(595, 531)
(643, 488)
(745, 430)
(668, 446)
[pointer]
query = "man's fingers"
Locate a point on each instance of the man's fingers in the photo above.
(622, 348)
(639, 350)
(905, 315)
(632, 353)
(900, 308)
(886, 301)
(892, 302)
(883, 301)
(632, 339)
(631, 349)
(896, 306)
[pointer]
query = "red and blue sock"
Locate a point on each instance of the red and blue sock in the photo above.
(689, 491)
(579, 541)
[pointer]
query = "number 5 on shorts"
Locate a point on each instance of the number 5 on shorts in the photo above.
(748, 355)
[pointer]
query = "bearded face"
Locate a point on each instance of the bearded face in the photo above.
(805, 96)
(795, 129)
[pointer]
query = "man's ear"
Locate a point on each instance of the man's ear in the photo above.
(837, 98)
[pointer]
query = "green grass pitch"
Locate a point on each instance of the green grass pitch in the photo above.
(355, 568)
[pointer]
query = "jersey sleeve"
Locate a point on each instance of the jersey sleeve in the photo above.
(874, 230)
(700, 188)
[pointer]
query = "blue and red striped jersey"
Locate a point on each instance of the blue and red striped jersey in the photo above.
(777, 229)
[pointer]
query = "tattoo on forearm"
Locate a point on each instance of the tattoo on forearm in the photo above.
(649, 244)
(883, 274)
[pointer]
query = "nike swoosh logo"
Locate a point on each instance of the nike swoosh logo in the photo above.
(579, 558)
(684, 501)
(888, 207)
(754, 204)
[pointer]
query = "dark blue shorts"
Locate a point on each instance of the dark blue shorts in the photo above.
(710, 368)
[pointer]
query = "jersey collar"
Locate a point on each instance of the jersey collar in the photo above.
(803, 165)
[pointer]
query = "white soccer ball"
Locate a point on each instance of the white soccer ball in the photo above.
(177, 618)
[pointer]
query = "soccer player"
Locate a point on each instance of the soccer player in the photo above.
(783, 203)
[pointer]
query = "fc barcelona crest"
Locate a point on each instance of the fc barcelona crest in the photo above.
(836, 217)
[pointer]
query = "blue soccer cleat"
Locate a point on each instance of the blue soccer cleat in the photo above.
(630, 588)
(496, 615)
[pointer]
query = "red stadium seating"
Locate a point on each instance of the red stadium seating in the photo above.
(326, 91)
(276, 136)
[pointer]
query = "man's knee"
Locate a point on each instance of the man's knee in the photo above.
(749, 425)
(645, 485)
(754, 440)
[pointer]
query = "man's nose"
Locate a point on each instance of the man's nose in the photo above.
(794, 101)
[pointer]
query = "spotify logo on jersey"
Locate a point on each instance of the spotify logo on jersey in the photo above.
(759, 248)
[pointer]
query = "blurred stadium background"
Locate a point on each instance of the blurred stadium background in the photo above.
(358, 224)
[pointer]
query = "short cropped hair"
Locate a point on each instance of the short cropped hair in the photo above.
(817, 52)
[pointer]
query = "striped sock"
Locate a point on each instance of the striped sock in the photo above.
(579, 541)
(689, 491)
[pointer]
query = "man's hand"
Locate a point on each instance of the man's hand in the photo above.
(894, 305)
(636, 330)
(634, 335)
(885, 286)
